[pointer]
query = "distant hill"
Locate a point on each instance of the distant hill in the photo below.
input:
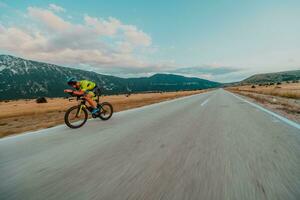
(20, 78)
(272, 77)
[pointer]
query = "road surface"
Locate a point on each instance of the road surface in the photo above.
(208, 146)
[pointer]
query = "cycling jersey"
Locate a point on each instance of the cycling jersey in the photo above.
(86, 85)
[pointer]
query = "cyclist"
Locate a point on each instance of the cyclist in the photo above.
(86, 88)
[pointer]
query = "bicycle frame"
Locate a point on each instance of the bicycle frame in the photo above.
(83, 105)
(80, 109)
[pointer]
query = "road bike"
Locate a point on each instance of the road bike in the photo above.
(76, 116)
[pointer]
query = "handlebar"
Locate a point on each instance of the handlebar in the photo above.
(80, 96)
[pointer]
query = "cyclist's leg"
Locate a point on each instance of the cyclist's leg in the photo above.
(96, 92)
(89, 97)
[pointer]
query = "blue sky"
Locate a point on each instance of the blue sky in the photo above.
(224, 40)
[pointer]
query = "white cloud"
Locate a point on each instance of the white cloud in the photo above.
(103, 27)
(56, 8)
(112, 25)
(136, 36)
(97, 42)
(48, 18)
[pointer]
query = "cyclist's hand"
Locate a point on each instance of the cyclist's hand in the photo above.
(68, 91)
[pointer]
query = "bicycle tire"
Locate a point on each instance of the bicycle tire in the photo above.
(67, 121)
(101, 115)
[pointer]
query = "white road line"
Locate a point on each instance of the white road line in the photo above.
(287, 121)
(205, 102)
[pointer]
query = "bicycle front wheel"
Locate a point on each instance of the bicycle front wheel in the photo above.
(76, 117)
(106, 110)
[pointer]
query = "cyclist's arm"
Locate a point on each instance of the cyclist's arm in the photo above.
(68, 91)
(80, 92)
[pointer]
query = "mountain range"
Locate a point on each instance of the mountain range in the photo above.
(27, 79)
(272, 77)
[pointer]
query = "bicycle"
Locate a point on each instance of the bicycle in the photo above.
(76, 116)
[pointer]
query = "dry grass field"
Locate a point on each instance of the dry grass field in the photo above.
(283, 99)
(289, 90)
(26, 115)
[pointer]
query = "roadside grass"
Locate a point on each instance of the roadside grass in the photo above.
(289, 107)
(286, 90)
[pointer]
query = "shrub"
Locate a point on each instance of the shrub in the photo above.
(253, 86)
(41, 100)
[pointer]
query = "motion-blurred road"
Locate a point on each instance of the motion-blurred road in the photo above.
(208, 146)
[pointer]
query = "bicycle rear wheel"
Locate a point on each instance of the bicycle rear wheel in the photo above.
(75, 118)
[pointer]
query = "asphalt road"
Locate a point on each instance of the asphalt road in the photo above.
(210, 146)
